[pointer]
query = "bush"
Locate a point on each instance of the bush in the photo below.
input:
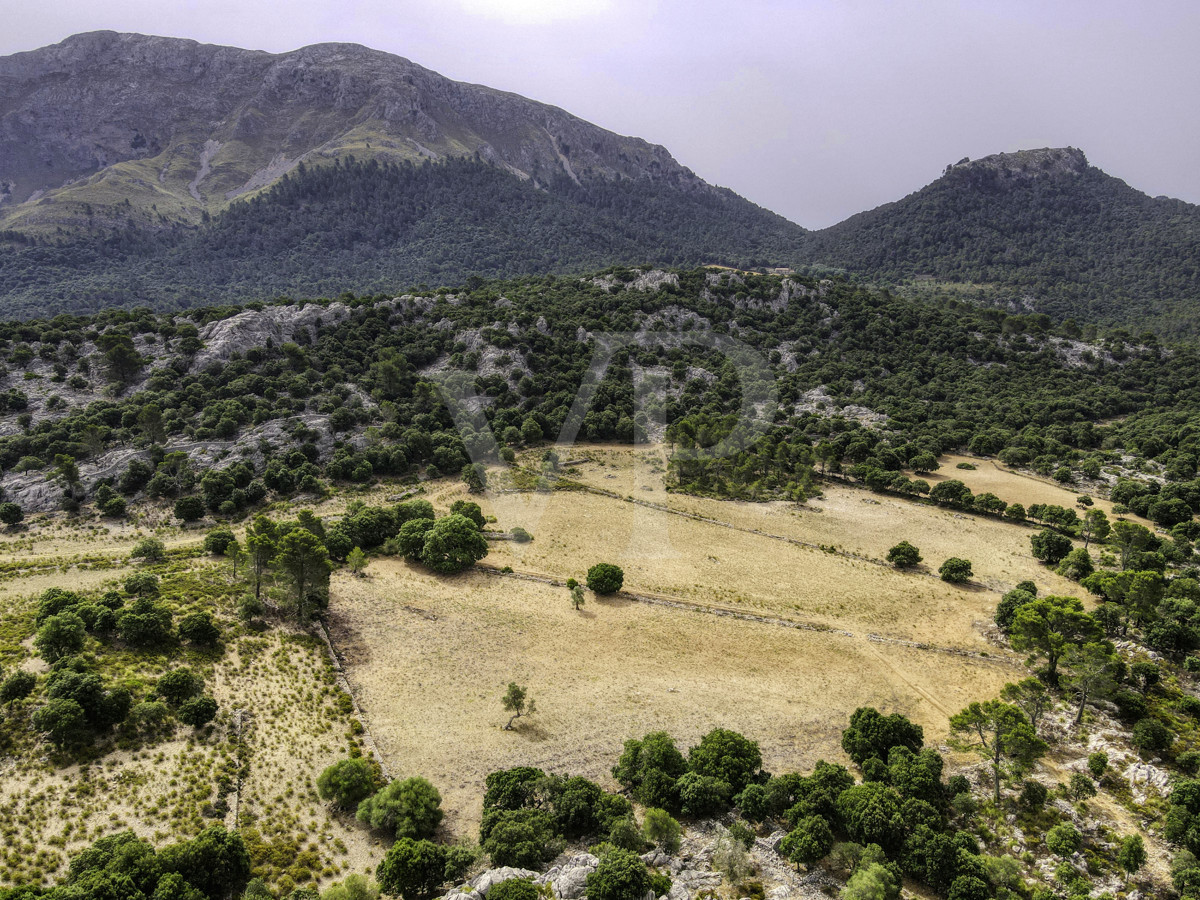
(410, 540)
(198, 628)
(142, 584)
(189, 509)
(1050, 546)
(218, 539)
(10, 513)
(63, 722)
(520, 535)
(1033, 795)
(523, 838)
(1132, 854)
(1064, 840)
(624, 833)
(702, 796)
(412, 869)
(1080, 787)
(728, 757)
(347, 783)
(515, 889)
(60, 636)
(621, 875)
(178, 685)
(198, 711)
(1010, 603)
(411, 808)
(17, 686)
(661, 829)
(355, 887)
(145, 624)
(453, 544)
(809, 842)
(1097, 763)
(956, 570)
(1151, 737)
(904, 555)
(149, 550)
(605, 578)
(1076, 565)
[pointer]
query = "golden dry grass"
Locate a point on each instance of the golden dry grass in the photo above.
(430, 657)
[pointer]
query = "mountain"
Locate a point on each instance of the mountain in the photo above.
(1038, 230)
(153, 171)
(179, 128)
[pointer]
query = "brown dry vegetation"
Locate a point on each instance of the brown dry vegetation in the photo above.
(429, 657)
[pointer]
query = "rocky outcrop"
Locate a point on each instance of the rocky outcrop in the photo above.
(273, 325)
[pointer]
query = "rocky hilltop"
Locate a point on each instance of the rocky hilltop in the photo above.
(160, 130)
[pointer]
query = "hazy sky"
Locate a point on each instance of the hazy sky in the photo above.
(814, 109)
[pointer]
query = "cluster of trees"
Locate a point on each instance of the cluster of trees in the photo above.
(76, 705)
(916, 364)
(211, 866)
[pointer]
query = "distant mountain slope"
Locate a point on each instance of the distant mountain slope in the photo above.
(1045, 230)
(378, 227)
(178, 128)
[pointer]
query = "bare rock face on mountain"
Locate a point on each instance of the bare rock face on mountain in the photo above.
(180, 128)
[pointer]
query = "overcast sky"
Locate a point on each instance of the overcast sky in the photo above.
(816, 110)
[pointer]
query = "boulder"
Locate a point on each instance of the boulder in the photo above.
(492, 877)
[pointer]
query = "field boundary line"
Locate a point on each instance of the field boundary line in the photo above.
(731, 613)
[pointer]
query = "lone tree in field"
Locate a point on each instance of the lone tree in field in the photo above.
(576, 590)
(956, 570)
(356, 560)
(605, 578)
(999, 732)
(517, 702)
(904, 555)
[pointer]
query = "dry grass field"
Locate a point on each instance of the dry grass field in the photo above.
(430, 657)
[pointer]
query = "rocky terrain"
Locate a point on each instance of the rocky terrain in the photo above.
(179, 129)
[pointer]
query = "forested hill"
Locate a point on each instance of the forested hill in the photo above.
(371, 226)
(1037, 230)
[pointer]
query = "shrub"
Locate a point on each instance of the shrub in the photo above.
(1064, 840)
(411, 808)
(605, 578)
(149, 550)
(727, 756)
(60, 636)
(453, 544)
(145, 624)
(17, 686)
(621, 875)
(523, 838)
(520, 535)
(1097, 763)
(1033, 795)
(469, 510)
(624, 833)
(1050, 546)
(347, 783)
(1151, 736)
(702, 796)
(1076, 565)
(412, 869)
(198, 628)
(63, 722)
(515, 889)
(1132, 853)
(178, 685)
(218, 539)
(198, 711)
(10, 513)
(661, 829)
(189, 509)
(904, 555)
(142, 584)
(355, 887)
(410, 541)
(808, 842)
(1080, 787)
(1010, 603)
(956, 570)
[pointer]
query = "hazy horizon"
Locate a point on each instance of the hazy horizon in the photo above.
(815, 110)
